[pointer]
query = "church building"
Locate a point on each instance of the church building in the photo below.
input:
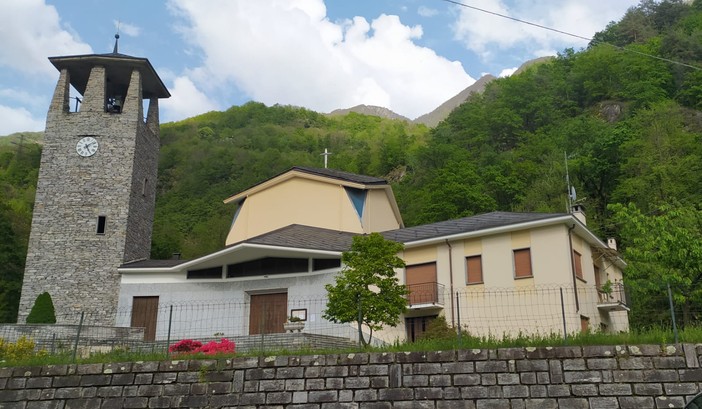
(92, 224)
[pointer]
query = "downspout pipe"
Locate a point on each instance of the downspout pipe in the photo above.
(572, 267)
(453, 312)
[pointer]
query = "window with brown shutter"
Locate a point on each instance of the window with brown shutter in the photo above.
(474, 270)
(522, 263)
(578, 261)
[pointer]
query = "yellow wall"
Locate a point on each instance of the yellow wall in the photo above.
(317, 203)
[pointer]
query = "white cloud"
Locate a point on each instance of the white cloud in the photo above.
(126, 28)
(185, 101)
(289, 52)
(507, 72)
(427, 12)
(18, 120)
(489, 35)
(32, 31)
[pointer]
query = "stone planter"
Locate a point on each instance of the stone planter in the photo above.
(294, 326)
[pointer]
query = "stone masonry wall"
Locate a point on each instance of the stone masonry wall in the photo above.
(647, 376)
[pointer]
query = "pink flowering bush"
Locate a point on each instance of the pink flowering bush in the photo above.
(189, 346)
(185, 346)
(213, 347)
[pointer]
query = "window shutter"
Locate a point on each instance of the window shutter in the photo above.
(522, 263)
(474, 267)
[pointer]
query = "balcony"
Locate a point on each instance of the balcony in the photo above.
(425, 295)
(614, 300)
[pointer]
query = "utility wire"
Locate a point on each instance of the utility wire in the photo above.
(572, 35)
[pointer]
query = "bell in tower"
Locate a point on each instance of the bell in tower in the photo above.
(95, 195)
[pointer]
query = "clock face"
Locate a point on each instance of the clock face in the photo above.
(87, 146)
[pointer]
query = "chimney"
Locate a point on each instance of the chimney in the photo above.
(612, 243)
(578, 210)
(175, 256)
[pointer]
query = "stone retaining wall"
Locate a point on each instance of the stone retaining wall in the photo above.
(647, 376)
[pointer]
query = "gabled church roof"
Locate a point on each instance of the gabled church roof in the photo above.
(347, 178)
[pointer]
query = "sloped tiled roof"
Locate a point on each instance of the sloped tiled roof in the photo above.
(464, 225)
(341, 175)
(304, 237)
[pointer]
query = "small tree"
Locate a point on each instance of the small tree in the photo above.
(367, 290)
(43, 311)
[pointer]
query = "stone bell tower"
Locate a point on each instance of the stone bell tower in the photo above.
(95, 197)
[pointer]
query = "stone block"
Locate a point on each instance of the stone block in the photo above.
(40, 382)
(532, 365)
(411, 357)
(334, 383)
(573, 403)
(393, 394)
(441, 356)
(455, 404)
(582, 377)
(428, 393)
(507, 379)
(322, 396)
(95, 380)
(278, 398)
(577, 364)
(271, 385)
(691, 375)
(681, 388)
(440, 380)
(557, 391)
(604, 403)
(615, 389)
(515, 391)
(488, 379)
(474, 392)
(661, 375)
(511, 353)
(670, 402)
(365, 395)
(472, 355)
(373, 370)
(602, 363)
(492, 403)
(635, 363)
(538, 391)
(527, 378)
(636, 402)
(287, 373)
(109, 392)
(142, 378)
(122, 379)
(584, 390)
(669, 362)
(415, 380)
(381, 358)
(654, 389)
(598, 351)
(555, 371)
(491, 366)
(357, 382)
(541, 404)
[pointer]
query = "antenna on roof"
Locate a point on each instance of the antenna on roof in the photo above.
(572, 196)
(115, 51)
(326, 156)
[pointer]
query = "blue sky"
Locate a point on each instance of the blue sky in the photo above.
(406, 55)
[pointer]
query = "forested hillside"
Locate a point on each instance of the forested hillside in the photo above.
(629, 124)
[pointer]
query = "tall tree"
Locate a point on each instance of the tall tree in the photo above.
(662, 249)
(367, 290)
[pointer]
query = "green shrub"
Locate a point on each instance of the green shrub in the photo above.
(43, 311)
(22, 349)
(438, 328)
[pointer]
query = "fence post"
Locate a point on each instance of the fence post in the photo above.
(672, 312)
(168, 339)
(563, 314)
(458, 318)
(360, 319)
(75, 344)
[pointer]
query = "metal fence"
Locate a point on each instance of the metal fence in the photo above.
(264, 324)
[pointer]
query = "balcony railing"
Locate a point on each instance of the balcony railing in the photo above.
(425, 294)
(612, 298)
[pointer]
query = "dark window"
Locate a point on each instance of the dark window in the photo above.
(213, 272)
(474, 270)
(102, 220)
(522, 263)
(266, 266)
(325, 263)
